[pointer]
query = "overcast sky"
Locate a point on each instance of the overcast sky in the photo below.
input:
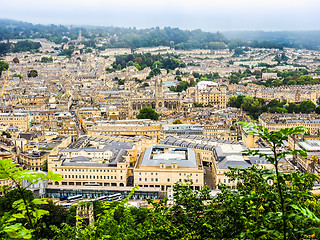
(210, 15)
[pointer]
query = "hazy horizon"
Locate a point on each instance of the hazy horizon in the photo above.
(229, 15)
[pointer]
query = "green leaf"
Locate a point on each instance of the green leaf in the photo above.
(39, 201)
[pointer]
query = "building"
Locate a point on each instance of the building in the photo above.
(163, 166)
(277, 121)
(158, 101)
(94, 161)
(19, 120)
(211, 93)
(181, 129)
(36, 158)
(126, 127)
(311, 145)
(266, 76)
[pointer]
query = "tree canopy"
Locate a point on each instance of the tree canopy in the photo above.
(3, 66)
(148, 113)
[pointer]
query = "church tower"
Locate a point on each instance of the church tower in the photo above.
(159, 88)
(80, 36)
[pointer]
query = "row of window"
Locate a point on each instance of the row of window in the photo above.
(88, 170)
(233, 181)
(156, 180)
(180, 174)
(92, 177)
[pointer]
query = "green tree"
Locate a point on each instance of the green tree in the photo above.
(55, 217)
(12, 196)
(292, 107)
(275, 139)
(177, 121)
(33, 73)
(148, 113)
(24, 222)
(15, 60)
(182, 86)
(307, 106)
(3, 66)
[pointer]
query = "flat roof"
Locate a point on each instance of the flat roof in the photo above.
(184, 157)
(311, 145)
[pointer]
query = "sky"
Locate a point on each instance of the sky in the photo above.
(208, 15)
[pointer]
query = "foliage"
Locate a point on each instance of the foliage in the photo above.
(256, 106)
(8, 135)
(23, 220)
(141, 61)
(253, 105)
(306, 106)
(3, 66)
(33, 73)
(283, 195)
(197, 104)
(148, 113)
(182, 86)
(27, 45)
(177, 121)
(15, 60)
(287, 78)
(46, 59)
(66, 52)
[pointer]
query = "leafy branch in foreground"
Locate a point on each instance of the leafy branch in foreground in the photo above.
(26, 219)
(275, 140)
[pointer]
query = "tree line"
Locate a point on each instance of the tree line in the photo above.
(255, 106)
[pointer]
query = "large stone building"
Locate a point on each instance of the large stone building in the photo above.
(211, 93)
(158, 101)
(35, 159)
(19, 120)
(277, 121)
(163, 166)
(95, 161)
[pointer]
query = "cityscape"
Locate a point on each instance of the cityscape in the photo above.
(158, 133)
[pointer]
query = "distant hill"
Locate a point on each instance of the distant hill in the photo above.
(297, 39)
(174, 37)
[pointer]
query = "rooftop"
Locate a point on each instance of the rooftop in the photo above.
(183, 157)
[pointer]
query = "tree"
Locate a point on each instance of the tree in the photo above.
(15, 60)
(148, 113)
(12, 196)
(33, 73)
(46, 59)
(177, 121)
(307, 106)
(275, 139)
(182, 86)
(24, 223)
(292, 108)
(56, 216)
(3, 66)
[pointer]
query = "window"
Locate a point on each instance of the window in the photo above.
(145, 179)
(168, 180)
